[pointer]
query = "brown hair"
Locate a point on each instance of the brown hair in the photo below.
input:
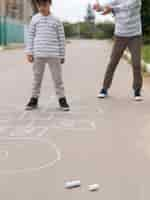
(39, 2)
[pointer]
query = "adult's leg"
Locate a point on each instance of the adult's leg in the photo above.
(134, 46)
(117, 52)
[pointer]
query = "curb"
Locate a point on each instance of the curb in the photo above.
(20, 46)
(12, 47)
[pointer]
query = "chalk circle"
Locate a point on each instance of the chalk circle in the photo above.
(24, 155)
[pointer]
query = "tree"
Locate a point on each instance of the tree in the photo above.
(146, 16)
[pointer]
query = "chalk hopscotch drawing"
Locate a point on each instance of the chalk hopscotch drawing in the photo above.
(17, 123)
(20, 128)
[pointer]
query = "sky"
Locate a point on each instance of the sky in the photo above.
(75, 10)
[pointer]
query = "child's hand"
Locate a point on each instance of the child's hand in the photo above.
(107, 10)
(30, 58)
(62, 61)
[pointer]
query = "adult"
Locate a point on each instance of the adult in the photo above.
(128, 34)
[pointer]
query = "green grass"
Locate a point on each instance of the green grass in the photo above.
(146, 53)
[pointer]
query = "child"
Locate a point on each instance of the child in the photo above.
(128, 32)
(46, 44)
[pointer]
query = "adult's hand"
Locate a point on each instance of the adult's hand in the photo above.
(107, 10)
(97, 7)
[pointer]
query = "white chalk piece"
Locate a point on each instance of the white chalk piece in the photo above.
(72, 184)
(93, 188)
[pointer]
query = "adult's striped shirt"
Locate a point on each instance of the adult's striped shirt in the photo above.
(128, 17)
(46, 37)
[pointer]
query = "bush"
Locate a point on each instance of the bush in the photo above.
(107, 28)
(89, 30)
(99, 35)
(146, 39)
(146, 53)
(69, 29)
(86, 30)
